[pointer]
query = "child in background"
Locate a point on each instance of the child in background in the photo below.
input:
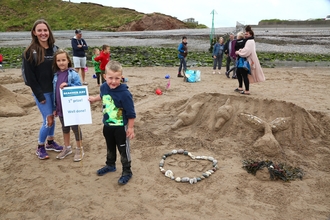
(118, 120)
(240, 44)
(1, 58)
(96, 52)
(103, 58)
(65, 76)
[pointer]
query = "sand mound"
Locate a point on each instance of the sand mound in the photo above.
(13, 104)
(279, 121)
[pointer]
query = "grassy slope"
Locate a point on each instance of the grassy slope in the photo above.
(18, 15)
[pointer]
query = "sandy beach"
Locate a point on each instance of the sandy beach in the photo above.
(206, 118)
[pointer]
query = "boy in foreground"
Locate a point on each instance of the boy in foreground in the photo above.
(118, 120)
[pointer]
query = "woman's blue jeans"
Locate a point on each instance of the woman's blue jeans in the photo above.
(45, 110)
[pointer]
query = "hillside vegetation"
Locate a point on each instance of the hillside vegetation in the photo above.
(19, 15)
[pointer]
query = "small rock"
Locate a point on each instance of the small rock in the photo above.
(210, 159)
(169, 173)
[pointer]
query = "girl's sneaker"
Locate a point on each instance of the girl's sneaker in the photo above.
(41, 153)
(65, 152)
(79, 154)
(54, 146)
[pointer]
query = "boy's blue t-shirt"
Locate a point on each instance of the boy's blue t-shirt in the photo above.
(118, 105)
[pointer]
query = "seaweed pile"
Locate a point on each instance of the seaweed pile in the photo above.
(276, 171)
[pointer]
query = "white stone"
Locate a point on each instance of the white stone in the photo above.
(169, 173)
(210, 158)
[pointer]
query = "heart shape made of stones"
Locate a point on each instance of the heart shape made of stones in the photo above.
(193, 180)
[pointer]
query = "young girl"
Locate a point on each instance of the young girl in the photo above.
(66, 76)
(103, 58)
(96, 53)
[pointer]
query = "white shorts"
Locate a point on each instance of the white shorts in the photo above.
(79, 62)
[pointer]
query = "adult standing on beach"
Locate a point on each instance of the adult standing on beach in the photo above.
(229, 50)
(218, 55)
(249, 52)
(37, 61)
(79, 46)
(183, 52)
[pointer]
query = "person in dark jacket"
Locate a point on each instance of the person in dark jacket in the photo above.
(118, 120)
(79, 46)
(230, 52)
(183, 51)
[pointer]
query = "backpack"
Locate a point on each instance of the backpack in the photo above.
(35, 59)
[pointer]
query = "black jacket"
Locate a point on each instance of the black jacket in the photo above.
(226, 47)
(40, 78)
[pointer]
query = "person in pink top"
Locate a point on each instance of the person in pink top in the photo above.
(249, 52)
(103, 58)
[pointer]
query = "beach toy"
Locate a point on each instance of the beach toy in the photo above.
(94, 76)
(167, 76)
(158, 92)
(86, 68)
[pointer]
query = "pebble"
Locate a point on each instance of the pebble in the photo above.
(210, 159)
(180, 151)
(169, 173)
(178, 179)
(205, 175)
(185, 179)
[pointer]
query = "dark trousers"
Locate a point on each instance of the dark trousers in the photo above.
(183, 65)
(217, 61)
(98, 77)
(75, 128)
(115, 137)
(228, 70)
(242, 75)
(228, 63)
(102, 76)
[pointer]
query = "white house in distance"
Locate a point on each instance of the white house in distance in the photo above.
(190, 20)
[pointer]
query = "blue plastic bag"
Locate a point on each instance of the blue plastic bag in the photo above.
(193, 76)
(243, 63)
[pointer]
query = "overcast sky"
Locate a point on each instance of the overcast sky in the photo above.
(229, 11)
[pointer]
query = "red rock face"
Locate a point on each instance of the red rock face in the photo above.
(153, 22)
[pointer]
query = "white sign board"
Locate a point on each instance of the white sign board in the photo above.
(75, 105)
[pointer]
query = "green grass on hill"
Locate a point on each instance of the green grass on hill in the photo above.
(18, 15)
